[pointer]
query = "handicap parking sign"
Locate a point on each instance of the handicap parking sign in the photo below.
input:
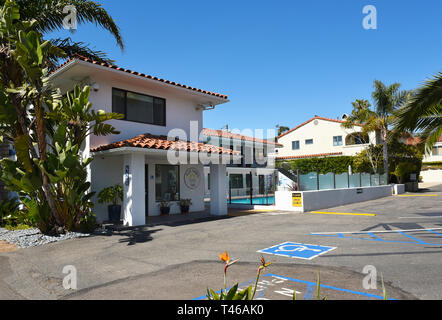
(297, 250)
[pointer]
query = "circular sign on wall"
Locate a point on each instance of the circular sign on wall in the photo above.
(192, 178)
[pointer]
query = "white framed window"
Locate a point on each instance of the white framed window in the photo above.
(295, 145)
(337, 141)
(309, 141)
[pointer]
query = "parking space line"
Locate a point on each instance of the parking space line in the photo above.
(414, 238)
(432, 231)
(339, 235)
(374, 237)
(379, 231)
(333, 288)
(345, 214)
(417, 195)
(423, 217)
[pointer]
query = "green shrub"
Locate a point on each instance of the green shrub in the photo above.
(88, 223)
(9, 211)
(403, 171)
(432, 165)
(322, 165)
(112, 195)
(19, 226)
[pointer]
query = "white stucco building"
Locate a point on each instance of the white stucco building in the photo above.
(436, 153)
(158, 154)
(252, 179)
(322, 137)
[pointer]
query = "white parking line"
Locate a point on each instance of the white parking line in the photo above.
(427, 217)
(381, 231)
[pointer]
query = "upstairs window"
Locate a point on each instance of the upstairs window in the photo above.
(309, 141)
(356, 138)
(437, 151)
(139, 107)
(337, 141)
(295, 145)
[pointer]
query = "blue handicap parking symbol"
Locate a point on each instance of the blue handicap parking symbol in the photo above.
(297, 250)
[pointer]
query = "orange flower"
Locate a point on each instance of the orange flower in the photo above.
(265, 264)
(224, 257)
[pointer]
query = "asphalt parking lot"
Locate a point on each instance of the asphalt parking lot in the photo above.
(401, 237)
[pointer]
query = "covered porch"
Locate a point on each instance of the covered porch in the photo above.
(152, 169)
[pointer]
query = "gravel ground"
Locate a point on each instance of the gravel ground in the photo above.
(33, 237)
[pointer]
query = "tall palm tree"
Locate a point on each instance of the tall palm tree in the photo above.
(386, 100)
(423, 113)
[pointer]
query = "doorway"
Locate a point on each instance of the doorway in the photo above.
(146, 190)
(261, 184)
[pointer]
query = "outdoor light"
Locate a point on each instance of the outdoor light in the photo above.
(95, 86)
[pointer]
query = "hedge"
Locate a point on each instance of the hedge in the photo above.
(322, 165)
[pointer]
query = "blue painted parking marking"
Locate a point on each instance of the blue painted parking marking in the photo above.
(313, 285)
(273, 286)
(377, 236)
(297, 250)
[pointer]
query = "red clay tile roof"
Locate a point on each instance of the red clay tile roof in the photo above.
(416, 140)
(314, 118)
(149, 141)
(81, 58)
(310, 156)
(230, 135)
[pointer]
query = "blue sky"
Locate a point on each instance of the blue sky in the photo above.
(280, 62)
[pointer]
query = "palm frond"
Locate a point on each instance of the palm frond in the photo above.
(71, 48)
(426, 101)
(49, 15)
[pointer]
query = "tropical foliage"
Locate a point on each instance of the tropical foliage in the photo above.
(48, 16)
(322, 165)
(234, 293)
(371, 159)
(9, 209)
(423, 113)
(380, 118)
(46, 129)
(112, 195)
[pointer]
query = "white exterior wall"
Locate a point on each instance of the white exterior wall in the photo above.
(184, 115)
(105, 172)
(179, 111)
(109, 170)
(431, 175)
(322, 134)
(323, 199)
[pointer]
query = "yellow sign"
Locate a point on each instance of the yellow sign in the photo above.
(297, 200)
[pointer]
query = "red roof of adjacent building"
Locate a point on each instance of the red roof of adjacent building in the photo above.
(236, 136)
(81, 58)
(149, 141)
(310, 156)
(315, 118)
(416, 140)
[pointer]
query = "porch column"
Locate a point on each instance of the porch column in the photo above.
(218, 189)
(134, 190)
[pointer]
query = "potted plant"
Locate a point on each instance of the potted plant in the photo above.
(185, 205)
(164, 207)
(112, 195)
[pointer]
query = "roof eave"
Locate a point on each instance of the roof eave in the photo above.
(185, 89)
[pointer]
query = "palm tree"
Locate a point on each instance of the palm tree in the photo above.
(49, 17)
(423, 113)
(24, 62)
(386, 99)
